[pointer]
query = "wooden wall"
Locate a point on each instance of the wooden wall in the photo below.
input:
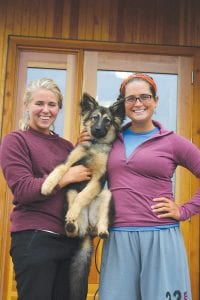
(162, 22)
(157, 22)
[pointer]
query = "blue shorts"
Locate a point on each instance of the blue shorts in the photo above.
(144, 265)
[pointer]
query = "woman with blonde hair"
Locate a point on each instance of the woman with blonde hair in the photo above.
(40, 250)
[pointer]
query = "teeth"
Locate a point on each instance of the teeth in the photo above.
(139, 110)
(45, 118)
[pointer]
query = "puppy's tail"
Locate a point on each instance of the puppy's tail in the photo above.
(80, 269)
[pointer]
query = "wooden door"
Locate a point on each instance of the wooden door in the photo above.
(178, 103)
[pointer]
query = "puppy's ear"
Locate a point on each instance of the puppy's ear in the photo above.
(88, 104)
(117, 109)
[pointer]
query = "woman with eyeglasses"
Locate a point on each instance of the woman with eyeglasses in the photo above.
(144, 257)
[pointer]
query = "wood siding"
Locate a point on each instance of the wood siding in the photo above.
(155, 22)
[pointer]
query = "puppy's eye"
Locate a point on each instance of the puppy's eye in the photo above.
(95, 118)
(107, 121)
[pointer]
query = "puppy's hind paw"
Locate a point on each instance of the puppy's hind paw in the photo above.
(71, 229)
(103, 235)
(92, 231)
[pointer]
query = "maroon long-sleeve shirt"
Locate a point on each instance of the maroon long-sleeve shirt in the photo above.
(146, 174)
(27, 157)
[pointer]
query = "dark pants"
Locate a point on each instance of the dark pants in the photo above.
(41, 264)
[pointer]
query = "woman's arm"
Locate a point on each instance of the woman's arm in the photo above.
(187, 155)
(17, 168)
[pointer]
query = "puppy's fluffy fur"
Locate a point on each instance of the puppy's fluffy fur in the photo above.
(89, 208)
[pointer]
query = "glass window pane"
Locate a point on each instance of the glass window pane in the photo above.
(60, 77)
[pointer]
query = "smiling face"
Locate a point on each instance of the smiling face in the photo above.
(140, 112)
(43, 110)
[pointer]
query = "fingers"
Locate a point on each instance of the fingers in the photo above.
(75, 174)
(166, 208)
(83, 137)
(80, 173)
(86, 173)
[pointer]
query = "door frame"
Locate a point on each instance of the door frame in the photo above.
(17, 44)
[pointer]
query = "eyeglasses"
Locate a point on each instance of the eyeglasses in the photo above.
(142, 98)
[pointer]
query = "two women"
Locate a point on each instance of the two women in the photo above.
(144, 257)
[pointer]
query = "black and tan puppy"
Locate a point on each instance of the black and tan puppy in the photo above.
(88, 203)
(89, 210)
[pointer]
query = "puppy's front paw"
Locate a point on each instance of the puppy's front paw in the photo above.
(53, 179)
(47, 187)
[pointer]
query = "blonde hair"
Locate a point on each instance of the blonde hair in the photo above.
(33, 86)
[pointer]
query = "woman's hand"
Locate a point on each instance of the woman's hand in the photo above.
(166, 208)
(75, 174)
(83, 137)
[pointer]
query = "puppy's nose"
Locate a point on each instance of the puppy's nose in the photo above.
(97, 128)
(98, 132)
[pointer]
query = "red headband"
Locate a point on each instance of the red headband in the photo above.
(138, 75)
